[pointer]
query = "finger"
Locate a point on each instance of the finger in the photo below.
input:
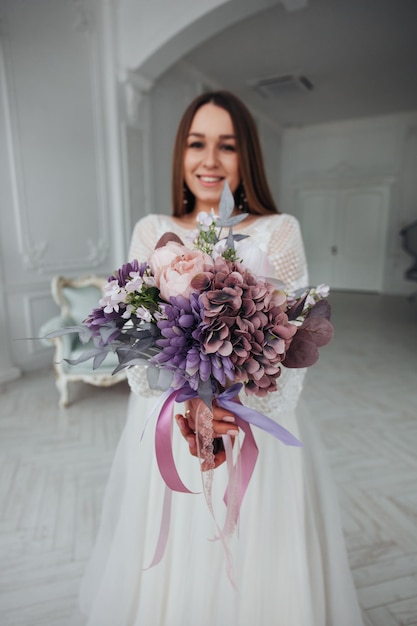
(223, 422)
(187, 433)
(221, 428)
(195, 404)
(183, 425)
(192, 444)
(219, 413)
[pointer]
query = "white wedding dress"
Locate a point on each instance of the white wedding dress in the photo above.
(289, 557)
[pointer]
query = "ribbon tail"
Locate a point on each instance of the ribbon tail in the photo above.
(163, 446)
(164, 529)
(260, 420)
(245, 465)
(159, 401)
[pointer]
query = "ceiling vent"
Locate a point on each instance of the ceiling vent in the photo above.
(276, 86)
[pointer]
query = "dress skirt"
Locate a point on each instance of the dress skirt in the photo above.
(288, 553)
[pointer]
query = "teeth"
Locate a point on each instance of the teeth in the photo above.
(210, 179)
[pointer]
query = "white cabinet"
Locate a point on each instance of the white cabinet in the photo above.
(344, 230)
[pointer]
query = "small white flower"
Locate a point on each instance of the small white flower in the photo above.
(317, 293)
(143, 314)
(135, 284)
(205, 220)
(112, 297)
(149, 281)
(160, 315)
(322, 290)
(219, 248)
(129, 310)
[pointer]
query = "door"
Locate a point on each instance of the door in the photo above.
(344, 232)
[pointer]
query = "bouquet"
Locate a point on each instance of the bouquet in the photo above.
(200, 318)
(206, 325)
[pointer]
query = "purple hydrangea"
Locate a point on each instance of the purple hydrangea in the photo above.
(182, 350)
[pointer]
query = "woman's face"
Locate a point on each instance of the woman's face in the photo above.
(210, 156)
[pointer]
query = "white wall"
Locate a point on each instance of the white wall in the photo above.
(374, 150)
(57, 189)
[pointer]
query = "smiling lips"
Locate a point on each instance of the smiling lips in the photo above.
(210, 180)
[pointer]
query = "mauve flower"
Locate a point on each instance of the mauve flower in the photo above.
(244, 319)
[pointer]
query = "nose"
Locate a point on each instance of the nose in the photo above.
(210, 157)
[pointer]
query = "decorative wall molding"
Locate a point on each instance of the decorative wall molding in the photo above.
(99, 251)
(83, 20)
(34, 254)
(34, 258)
(135, 89)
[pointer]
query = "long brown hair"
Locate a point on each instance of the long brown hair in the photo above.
(251, 163)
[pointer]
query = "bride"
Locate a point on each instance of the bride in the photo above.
(288, 554)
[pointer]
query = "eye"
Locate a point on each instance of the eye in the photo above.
(228, 147)
(196, 145)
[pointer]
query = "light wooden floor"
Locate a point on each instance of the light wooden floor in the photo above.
(363, 394)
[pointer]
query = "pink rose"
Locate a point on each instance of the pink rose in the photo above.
(174, 267)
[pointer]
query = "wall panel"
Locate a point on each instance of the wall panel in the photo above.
(55, 201)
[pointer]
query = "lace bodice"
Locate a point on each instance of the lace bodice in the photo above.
(277, 235)
(280, 238)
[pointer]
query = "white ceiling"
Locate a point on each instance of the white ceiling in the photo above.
(361, 56)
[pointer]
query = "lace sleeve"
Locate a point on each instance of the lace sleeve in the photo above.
(286, 253)
(144, 239)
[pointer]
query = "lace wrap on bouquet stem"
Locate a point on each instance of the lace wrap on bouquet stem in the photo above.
(205, 451)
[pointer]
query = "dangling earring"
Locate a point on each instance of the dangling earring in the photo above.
(184, 196)
(242, 203)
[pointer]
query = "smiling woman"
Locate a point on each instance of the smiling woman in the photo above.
(288, 561)
(210, 157)
(233, 150)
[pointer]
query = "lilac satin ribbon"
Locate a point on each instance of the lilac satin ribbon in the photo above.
(251, 416)
(246, 460)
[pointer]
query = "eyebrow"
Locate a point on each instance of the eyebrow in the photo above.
(220, 136)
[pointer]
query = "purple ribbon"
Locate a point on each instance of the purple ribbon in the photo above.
(246, 460)
(225, 400)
